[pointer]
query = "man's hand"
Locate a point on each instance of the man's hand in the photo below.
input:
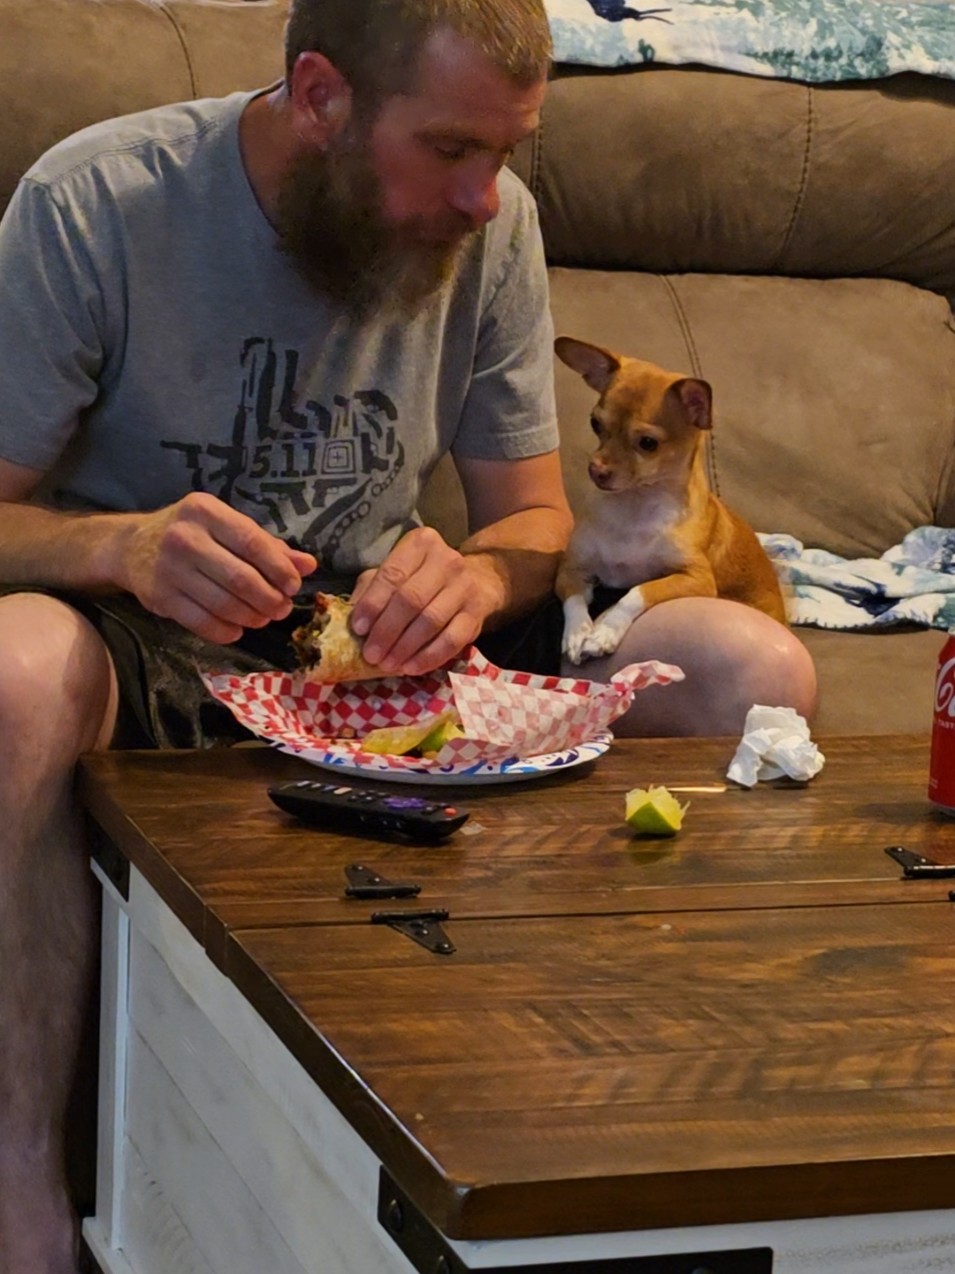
(424, 604)
(208, 567)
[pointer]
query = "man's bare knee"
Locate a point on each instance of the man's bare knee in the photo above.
(733, 656)
(57, 681)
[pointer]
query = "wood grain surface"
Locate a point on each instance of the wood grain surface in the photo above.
(751, 1020)
(561, 1075)
(202, 830)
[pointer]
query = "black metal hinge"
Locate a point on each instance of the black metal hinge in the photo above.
(430, 1252)
(423, 927)
(365, 882)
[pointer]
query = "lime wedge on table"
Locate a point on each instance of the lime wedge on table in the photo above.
(654, 811)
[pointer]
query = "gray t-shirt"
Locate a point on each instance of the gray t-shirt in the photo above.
(157, 341)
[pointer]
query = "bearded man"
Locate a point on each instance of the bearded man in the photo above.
(245, 332)
(239, 334)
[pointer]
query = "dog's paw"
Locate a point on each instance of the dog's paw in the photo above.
(600, 642)
(605, 635)
(608, 629)
(575, 641)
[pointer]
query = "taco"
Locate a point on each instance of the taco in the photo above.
(326, 647)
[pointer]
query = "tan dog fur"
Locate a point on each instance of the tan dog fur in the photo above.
(652, 525)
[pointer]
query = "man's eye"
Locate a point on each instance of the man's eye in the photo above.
(646, 443)
(453, 154)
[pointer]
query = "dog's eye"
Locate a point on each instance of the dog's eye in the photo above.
(646, 443)
(595, 425)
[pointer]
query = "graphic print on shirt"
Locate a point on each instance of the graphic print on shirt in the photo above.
(305, 471)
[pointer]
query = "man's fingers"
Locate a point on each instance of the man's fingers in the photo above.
(221, 583)
(406, 624)
(190, 614)
(359, 591)
(247, 541)
(232, 603)
(304, 563)
(421, 629)
(210, 567)
(404, 572)
(419, 608)
(452, 639)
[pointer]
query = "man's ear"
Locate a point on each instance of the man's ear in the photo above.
(321, 99)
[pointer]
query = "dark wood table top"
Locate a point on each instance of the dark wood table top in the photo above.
(751, 1020)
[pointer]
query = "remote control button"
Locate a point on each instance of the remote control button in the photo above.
(405, 802)
(341, 791)
(450, 811)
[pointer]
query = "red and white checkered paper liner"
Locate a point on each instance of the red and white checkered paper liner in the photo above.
(504, 714)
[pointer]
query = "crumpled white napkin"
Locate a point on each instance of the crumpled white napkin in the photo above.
(775, 742)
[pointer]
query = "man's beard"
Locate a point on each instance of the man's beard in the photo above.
(330, 222)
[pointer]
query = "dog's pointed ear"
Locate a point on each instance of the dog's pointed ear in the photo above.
(595, 364)
(697, 399)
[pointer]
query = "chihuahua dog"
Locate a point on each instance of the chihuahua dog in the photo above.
(652, 527)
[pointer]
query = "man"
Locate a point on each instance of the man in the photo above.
(243, 332)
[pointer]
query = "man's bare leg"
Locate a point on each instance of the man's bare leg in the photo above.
(57, 700)
(733, 656)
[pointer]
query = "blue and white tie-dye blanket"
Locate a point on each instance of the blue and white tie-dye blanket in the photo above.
(815, 40)
(913, 583)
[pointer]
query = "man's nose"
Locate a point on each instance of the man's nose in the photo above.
(475, 195)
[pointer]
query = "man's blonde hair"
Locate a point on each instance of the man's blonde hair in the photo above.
(375, 44)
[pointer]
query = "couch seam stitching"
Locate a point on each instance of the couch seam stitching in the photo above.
(181, 35)
(800, 199)
(687, 331)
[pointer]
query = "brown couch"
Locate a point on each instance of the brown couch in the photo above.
(792, 245)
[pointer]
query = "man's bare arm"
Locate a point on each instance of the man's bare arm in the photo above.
(427, 601)
(210, 568)
(40, 546)
(521, 523)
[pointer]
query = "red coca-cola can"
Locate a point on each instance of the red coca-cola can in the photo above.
(941, 770)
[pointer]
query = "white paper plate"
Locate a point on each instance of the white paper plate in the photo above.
(383, 768)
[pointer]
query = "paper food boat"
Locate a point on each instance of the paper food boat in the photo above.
(504, 714)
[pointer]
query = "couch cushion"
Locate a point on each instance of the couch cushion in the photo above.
(231, 45)
(65, 64)
(68, 63)
(676, 169)
(834, 400)
(874, 683)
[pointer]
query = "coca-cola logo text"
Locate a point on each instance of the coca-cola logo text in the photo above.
(945, 689)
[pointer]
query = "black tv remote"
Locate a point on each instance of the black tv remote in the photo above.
(373, 811)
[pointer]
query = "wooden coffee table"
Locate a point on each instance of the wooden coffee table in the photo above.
(732, 1051)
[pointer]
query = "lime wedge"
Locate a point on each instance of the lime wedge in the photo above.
(397, 740)
(393, 740)
(654, 811)
(444, 731)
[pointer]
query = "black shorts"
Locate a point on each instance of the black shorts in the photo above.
(163, 703)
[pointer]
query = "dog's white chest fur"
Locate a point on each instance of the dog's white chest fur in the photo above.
(624, 539)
